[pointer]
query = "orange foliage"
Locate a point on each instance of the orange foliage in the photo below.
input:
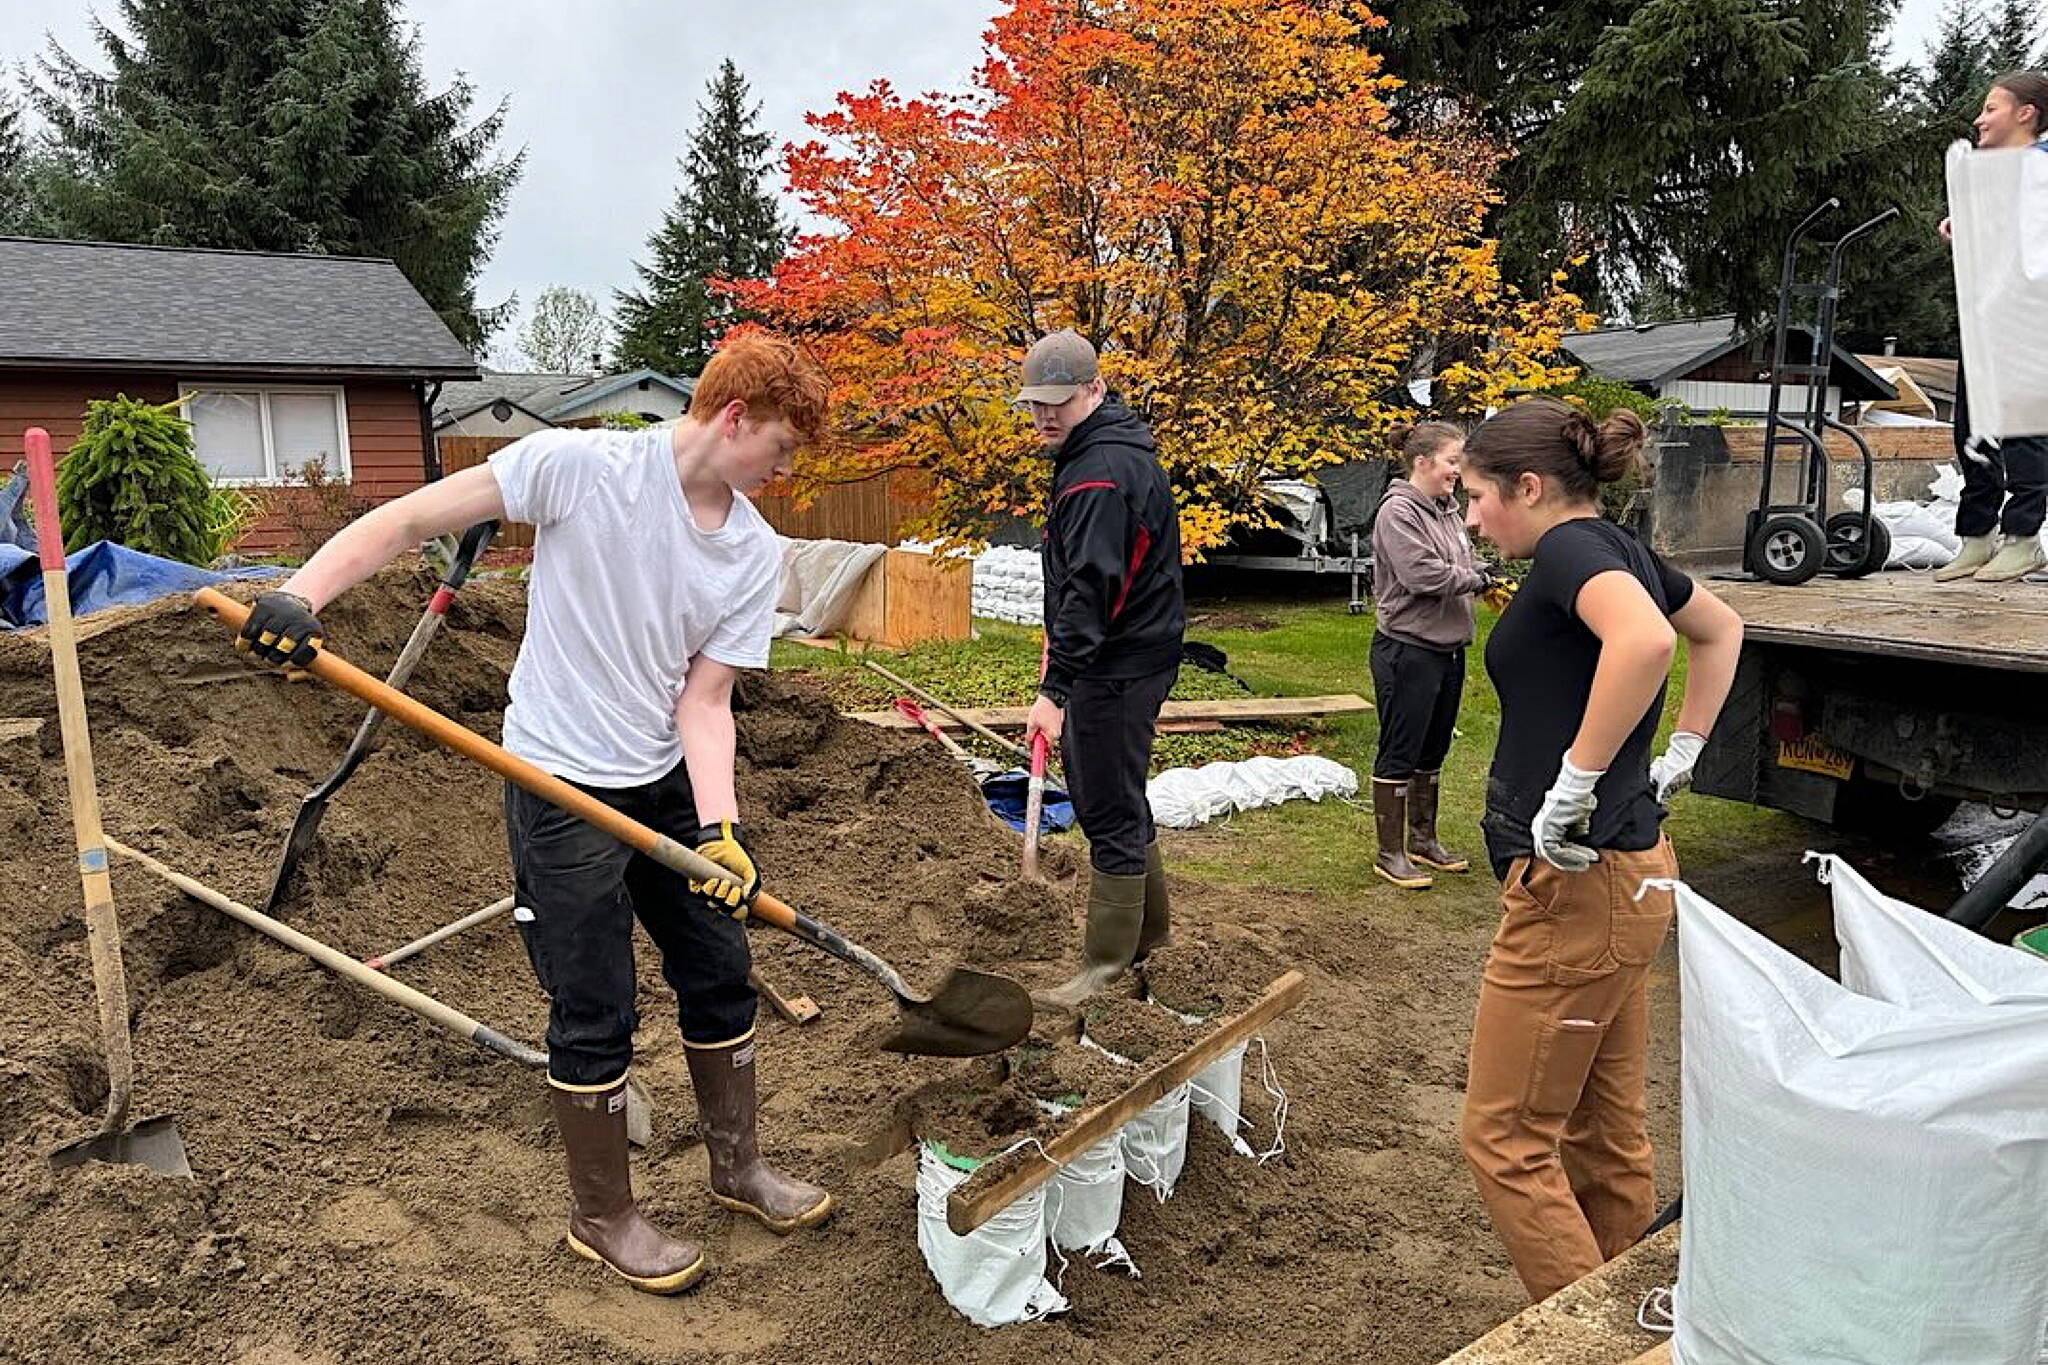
(1212, 191)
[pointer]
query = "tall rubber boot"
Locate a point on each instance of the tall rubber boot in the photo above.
(2017, 557)
(1975, 554)
(1116, 916)
(728, 1109)
(1423, 845)
(1156, 929)
(1390, 813)
(605, 1224)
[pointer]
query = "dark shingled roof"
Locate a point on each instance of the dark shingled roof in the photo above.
(84, 305)
(1658, 353)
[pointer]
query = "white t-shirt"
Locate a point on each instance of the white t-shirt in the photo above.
(625, 591)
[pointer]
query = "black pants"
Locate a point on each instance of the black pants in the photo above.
(1106, 755)
(1416, 691)
(2007, 490)
(584, 888)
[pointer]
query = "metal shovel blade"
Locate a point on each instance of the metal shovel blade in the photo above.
(153, 1143)
(971, 1014)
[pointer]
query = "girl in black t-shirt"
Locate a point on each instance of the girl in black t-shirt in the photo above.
(1573, 809)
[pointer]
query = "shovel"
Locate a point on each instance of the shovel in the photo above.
(970, 1014)
(1034, 804)
(154, 1142)
(306, 826)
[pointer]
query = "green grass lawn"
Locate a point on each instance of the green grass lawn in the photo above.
(1292, 649)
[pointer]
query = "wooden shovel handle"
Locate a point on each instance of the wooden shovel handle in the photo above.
(102, 928)
(332, 669)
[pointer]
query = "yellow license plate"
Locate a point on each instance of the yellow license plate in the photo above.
(1814, 755)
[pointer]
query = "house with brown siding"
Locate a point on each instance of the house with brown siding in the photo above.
(276, 359)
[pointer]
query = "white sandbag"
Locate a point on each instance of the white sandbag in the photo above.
(994, 1275)
(1900, 953)
(1156, 1143)
(1217, 1094)
(1998, 211)
(1009, 585)
(1862, 1178)
(1087, 1204)
(1182, 798)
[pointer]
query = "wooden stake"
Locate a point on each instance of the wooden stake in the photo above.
(967, 1208)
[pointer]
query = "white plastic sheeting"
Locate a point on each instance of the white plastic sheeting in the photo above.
(820, 579)
(1998, 210)
(994, 1275)
(1183, 798)
(1863, 1172)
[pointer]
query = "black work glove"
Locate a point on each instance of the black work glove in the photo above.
(721, 844)
(281, 631)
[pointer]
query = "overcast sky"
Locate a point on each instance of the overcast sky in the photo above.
(602, 93)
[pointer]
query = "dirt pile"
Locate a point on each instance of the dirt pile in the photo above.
(370, 1189)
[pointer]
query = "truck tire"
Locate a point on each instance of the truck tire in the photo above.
(1882, 810)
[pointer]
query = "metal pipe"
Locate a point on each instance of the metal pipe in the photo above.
(340, 963)
(2001, 881)
(446, 931)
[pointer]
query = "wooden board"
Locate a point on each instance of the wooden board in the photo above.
(1901, 615)
(1232, 709)
(974, 1202)
(908, 598)
(1592, 1322)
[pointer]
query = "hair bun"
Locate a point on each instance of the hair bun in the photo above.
(1618, 446)
(1582, 436)
(1398, 434)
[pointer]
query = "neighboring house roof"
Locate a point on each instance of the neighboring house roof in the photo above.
(1660, 353)
(1936, 377)
(92, 305)
(546, 396)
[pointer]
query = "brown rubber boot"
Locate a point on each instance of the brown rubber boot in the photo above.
(727, 1109)
(1116, 917)
(1423, 846)
(1156, 930)
(605, 1225)
(1390, 813)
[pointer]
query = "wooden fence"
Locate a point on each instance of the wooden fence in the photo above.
(873, 511)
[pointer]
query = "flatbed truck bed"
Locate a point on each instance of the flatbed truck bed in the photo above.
(1879, 703)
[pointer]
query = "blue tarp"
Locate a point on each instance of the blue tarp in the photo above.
(103, 574)
(1007, 794)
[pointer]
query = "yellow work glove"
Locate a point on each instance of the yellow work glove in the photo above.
(721, 844)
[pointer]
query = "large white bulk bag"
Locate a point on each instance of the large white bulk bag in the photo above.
(1901, 953)
(1998, 212)
(1863, 1179)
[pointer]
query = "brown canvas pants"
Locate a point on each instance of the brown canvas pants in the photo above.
(1554, 1127)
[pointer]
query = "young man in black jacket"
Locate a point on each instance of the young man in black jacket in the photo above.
(1113, 624)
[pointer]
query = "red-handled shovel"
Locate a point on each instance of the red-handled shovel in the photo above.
(154, 1142)
(1034, 804)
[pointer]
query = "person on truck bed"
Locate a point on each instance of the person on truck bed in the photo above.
(1554, 1127)
(1424, 576)
(2005, 483)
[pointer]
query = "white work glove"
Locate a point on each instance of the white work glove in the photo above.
(1671, 771)
(1565, 815)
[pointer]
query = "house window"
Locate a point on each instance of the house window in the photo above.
(247, 434)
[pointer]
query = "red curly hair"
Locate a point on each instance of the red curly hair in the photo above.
(771, 376)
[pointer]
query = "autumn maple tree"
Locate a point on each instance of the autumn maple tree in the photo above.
(1212, 191)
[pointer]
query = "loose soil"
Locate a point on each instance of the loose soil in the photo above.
(370, 1189)
(1137, 1030)
(1222, 975)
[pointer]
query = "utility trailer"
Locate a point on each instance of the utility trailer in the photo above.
(1878, 704)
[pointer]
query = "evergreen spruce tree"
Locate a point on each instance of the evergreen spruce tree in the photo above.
(723, 225)
(16, 212)
(1672, 141)
(1951, 87)
(2013, 39)
(282, 125)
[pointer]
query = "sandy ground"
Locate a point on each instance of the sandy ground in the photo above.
(368, 1188)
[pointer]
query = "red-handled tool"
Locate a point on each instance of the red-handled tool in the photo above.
(1034, 803)
(153, 1142)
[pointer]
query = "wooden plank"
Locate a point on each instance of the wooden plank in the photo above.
(967, 1208)
(908, 598)
(1901, 615)
(1591, 1322)
(1227, 710)
(794, 1009)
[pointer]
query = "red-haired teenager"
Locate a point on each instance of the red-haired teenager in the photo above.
(653, 584)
